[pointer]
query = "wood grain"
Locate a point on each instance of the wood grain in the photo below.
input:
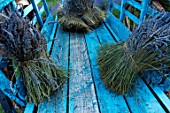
(82, 97)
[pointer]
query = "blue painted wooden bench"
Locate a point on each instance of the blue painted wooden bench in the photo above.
(84, 91)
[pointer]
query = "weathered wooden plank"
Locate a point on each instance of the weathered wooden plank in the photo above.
(47, 28)
(5, 87)
(141, 100)
(108, 101)
(119, 28)
(58, 103)
(42, 108)
(50, 39)
(116, 38)
(93, 44)
(157, 91)
(162, 97)
(104, 35)
(29, 108)
(82, 97)
(60, 54)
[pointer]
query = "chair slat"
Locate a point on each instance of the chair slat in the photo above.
(135, 4)
(145, 5)
(35, 7)
(116, 6)
(29, 108)
(122, 10)
(29, 8)
(46, 7)
(132, 17)
(4, 3)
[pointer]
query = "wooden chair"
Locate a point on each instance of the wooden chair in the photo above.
(84, 91)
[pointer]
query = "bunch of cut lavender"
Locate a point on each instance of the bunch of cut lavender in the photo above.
(25, 45)
(146, 49)
(80, 15)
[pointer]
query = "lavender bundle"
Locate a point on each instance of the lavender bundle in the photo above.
(146, 49)
(80, 15)
(22, 43)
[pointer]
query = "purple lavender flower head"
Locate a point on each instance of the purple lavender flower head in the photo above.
(103, 4)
